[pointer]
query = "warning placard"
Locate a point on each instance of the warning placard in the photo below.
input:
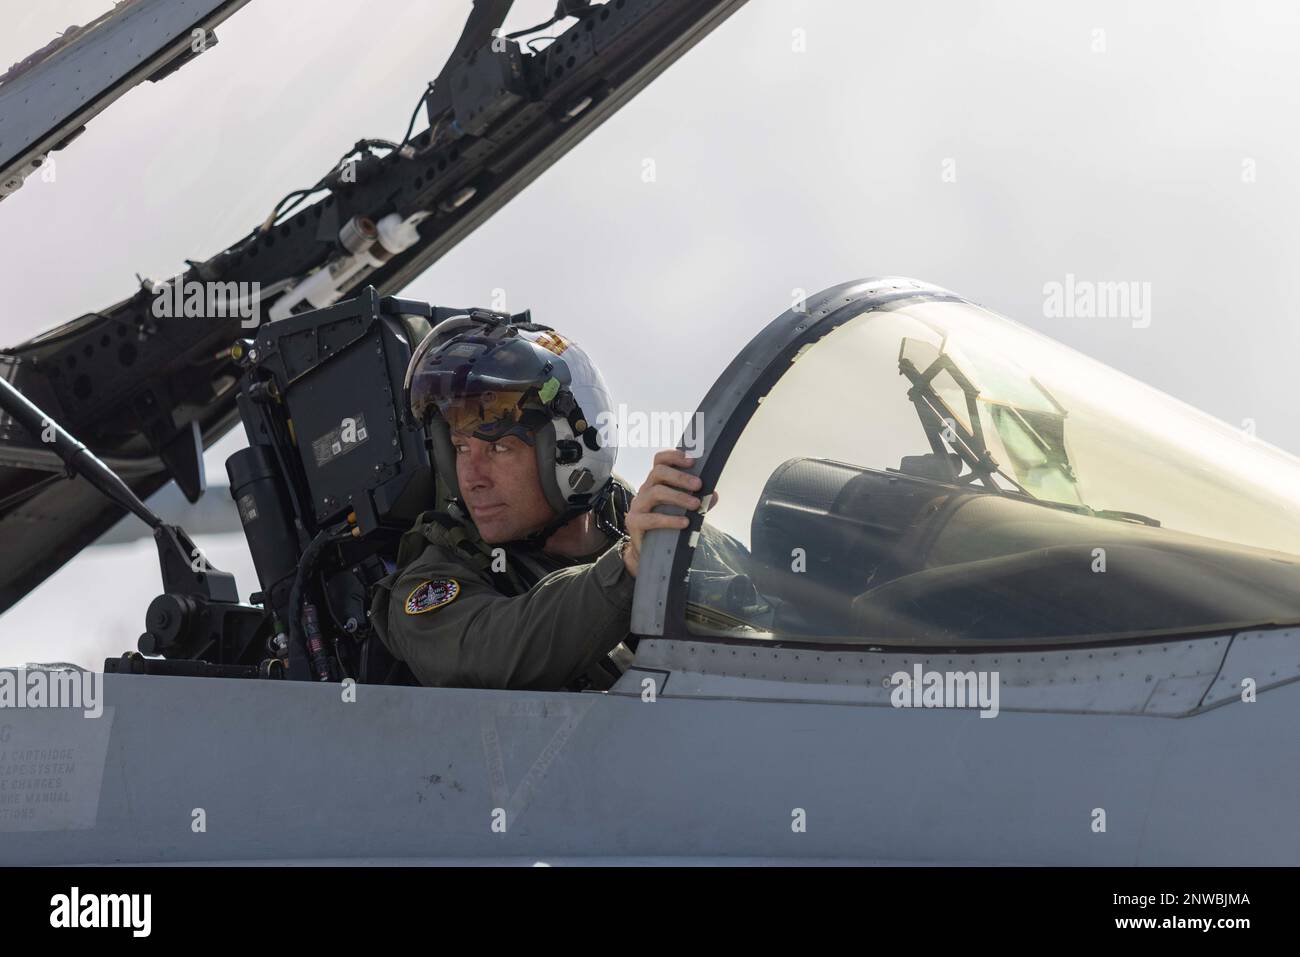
(51, 768)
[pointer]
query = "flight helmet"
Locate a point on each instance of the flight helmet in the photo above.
(485, 375)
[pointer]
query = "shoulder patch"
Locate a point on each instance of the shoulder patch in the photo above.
(432, 594)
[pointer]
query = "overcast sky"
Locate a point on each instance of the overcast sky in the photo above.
(992, 148)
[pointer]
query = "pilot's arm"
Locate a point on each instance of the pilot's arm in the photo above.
(452, 628)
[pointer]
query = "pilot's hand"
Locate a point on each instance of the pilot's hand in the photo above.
(667, 484)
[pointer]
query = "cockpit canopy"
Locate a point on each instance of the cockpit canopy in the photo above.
(925, 469)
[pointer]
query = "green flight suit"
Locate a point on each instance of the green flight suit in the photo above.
(543, 623)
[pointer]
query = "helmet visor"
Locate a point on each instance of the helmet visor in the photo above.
(489, 415)
(487, 386)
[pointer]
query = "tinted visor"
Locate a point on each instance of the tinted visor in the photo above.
(487, 386)
(488, 416)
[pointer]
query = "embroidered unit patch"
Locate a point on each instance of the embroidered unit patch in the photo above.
(433, 594)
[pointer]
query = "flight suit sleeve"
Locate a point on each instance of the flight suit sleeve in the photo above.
(540, 640)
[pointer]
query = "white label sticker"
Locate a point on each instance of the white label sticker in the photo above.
(51, 768)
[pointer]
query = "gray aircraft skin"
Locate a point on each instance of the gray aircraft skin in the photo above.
(948, 515)
(1126, 750)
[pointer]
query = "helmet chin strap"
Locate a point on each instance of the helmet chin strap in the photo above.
(596, 507)
(538, 539)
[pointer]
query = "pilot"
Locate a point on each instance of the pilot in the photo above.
(523, 578)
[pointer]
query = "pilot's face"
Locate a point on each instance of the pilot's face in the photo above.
(499, 485)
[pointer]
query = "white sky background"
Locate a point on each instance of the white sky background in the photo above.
(776, 170)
